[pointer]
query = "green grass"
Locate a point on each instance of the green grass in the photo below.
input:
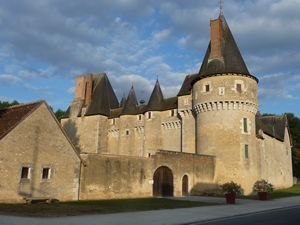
(279, 193)
(95, 207)
(282, 193)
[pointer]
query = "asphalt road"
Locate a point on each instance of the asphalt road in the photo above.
(287, 216)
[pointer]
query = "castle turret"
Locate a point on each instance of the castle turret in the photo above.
(225, 103)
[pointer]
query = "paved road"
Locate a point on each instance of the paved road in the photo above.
(166, 216)
(287, 216)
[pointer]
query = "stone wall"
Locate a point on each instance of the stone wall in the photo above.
(38, 142)
(122, 176)
(87, 133)
(276, 160)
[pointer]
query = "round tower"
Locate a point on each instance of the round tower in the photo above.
(225, 103)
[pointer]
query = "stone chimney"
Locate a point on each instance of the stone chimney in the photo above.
(88, 89)
(216, 34)
(83, 89)
(80, 87)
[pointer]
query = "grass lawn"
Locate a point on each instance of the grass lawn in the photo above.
(289, 192)
(279, 193)
(95, 207)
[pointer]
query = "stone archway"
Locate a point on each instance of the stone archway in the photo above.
(163, 182)
(185, 185)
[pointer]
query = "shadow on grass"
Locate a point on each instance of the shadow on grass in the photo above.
(95, 207)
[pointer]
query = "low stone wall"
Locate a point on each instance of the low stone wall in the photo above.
(108, 176)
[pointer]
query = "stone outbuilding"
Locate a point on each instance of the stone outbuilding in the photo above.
(37, 160)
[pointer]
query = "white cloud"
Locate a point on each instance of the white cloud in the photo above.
(9, 79)
(162, 35)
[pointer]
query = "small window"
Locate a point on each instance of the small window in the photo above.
(113, 122)
(127, 132)
(172, 112)
(46, 173)
(149, 155)
(246, 151)
(149, 115)
(207, 88)
(25, 173)
(140, 117)
(221, 90)
(239, 88)
(245, 125)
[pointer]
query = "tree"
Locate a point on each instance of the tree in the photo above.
(294, 125)
(6, 104)
(59, 114)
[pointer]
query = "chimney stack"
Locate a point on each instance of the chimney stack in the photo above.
(216, 34)
(80, 87)
(83, 89)
(88, 89)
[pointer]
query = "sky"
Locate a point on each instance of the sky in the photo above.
(45, 44)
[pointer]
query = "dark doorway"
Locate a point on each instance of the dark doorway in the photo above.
(163, 182)
(185, 185)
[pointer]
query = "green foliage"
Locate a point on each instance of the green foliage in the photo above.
(262, 186)
(59, 114)
(294, 125)
(232, 188)
(6, 104)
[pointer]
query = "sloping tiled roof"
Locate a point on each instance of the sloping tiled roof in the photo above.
(273, 126)
(187, 84)
(103, 96)
(233, 61)
(11, 117)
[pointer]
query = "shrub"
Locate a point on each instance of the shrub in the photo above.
(262, 186)
(232, 188)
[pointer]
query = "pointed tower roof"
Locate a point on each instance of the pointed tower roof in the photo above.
(122, 102)
(156, 99)
(130, 106)
(222, 55)
(103, 96)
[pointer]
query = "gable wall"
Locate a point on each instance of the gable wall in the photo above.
(276, 160)
(37, 142)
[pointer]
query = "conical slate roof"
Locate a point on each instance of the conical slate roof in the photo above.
(122, 102)
(232, 60)
(156, 99)
(103, 96)
(130, 106)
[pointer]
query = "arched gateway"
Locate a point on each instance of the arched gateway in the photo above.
(163, 182)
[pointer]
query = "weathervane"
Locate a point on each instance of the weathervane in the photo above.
(221, 7)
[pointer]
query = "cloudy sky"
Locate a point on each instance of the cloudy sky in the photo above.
(44, 44)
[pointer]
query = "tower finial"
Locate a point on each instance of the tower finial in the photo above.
(221, 7)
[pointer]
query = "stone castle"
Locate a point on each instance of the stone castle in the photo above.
(210, 133)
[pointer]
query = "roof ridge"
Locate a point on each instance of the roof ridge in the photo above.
(23, 104)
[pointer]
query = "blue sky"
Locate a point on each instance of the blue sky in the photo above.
(44, 44)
